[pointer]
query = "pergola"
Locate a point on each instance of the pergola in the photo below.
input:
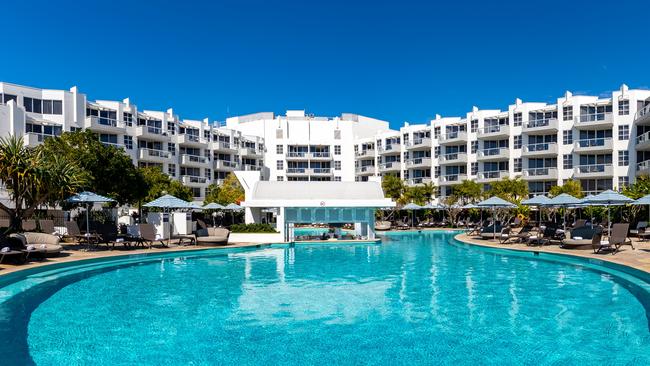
(313, 202)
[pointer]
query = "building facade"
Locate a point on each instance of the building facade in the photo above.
(601, 141)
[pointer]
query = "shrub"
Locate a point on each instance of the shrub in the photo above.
(252, 228)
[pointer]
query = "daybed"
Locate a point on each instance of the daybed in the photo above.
(580, 237)
(48, 244)
(212, 236)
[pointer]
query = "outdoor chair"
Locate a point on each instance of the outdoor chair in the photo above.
(599, 245)
(506, 235)
(641, 226)
(526, 232)
(201, 224)
(47, 245)
(619, 236)
(47, 226)
(579, 223)
(29, 225)
(74, 233)
(148, 235)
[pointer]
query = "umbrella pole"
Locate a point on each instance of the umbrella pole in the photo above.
(494, 223)
(609, 224)
(88, 226)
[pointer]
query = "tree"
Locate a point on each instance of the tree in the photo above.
(393, 187)
(640, 188)
(467, 192)
(230, 191)
(513, 190)
(35, 176)
(420, 194)
(110, 170)
(212, 194)
(452, 208)
(571, 187)
(159, 183)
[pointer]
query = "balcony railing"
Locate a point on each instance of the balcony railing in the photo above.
(152, 129)
(492, 175)
(155, 153)
(461, 156)
(189, 158)
(365, 169)
(194, 179)
(297, 170)
(643, 112)
(363, 153)
(225, 164)
(604, 143)
(540, 147)
(103, 121)
(497, 153)
(494, 130)
(114, 144)
(221, 145)
(391, 165)
(297, 154)
(454, 135)
(419, 180)
(321, 170)
(594, 118)
(420, 141)
(594, 169)
(418, 161)
(643, 167)
(643, 138)
(536, 123)
(390, 148)
(451, 178)
(320, 155)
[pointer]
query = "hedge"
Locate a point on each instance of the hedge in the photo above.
(252, 228)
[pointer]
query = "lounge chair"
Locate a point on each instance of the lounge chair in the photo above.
(580, 223)
(476, 229)
(506, 235)
(148, 235)
(489, 231)
(619, 236)
(11, 250)
(212, 236)
(201, 224)
(599, 245)
(382, 225)
(544, 237)
(47, 226)
(526, 232)
(580, 237)
(74, 233)
(46, 244)
(641, 226)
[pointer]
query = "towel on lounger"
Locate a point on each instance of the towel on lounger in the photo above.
(5, 250)
(30, 247)
(577, 238)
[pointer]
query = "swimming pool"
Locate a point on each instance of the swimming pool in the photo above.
(416, 299)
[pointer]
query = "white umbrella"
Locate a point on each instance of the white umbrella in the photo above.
(411, 207)
(609, 198)
(566, 201)
(88, 198)
(494, 203)
(169, 202)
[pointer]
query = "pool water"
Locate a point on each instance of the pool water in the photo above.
(414, 299)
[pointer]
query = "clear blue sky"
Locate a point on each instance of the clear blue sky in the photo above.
(400, 61)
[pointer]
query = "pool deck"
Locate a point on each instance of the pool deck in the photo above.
(638, 258)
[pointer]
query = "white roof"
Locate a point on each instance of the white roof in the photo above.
(317, 194)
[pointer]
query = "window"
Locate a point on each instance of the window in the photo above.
(57, 107)
(128, 118)
(171, 148)
(517, 141)
(279, 165)
(517, 119)
(474, 168)
(623, 107)
(47, 107)
(337, 149)
(337, 165)
(474, 147)
(518, 165)
(436, 151)
(623, 132)
(280, 179)
(5, 98)
(337, 179)
(128, 142)
(171, 168)
(279, 149)
(474, 125)
(623, 182)
(436, 171)
(623, 158)
(567, 113)
(567, 137)
(567, 161)
(207, 173)
(436, 132)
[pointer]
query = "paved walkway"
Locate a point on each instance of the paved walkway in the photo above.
(638, 258)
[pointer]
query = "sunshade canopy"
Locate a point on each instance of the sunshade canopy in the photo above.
(412, 206)
(609, 198)
(563, 200)
(88, 197)
(213, 206)
(495, 202)
(536, 201)
(169, 201)
(645, 200)
(233, 207)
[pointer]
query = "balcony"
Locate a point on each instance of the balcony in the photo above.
(418, 163)
(190, 140)
(643, 168)
(453, 158)
(365, 170)
(250, 152)
(419, 144)
(491, 176)
(297, 171)
(643, 142)
(151, 133)
(494, 132)
(157, 156)
(365, 154)
(223, 147)
(390, 149)
(593, 171)
(393, 166)
(297, 155)
(250, 167)
(541, 126)
(33, 139)
(593, 121)
(113, 144)
(194, 160)
(419, 180)
(451, 179)
(320, 172)
(546, 173)
(596, 145)
(642, 116)
(451, 138)
(225, 165)
(193, 180)
(539, 149)
(320, 156)
(107, 125)
(498, 153)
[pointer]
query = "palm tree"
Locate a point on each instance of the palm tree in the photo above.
(33, 177)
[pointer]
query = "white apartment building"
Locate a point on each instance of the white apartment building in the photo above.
(195, 152)
(601, 141)
(303, 147)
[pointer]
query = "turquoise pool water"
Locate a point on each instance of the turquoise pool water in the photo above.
(414, 299)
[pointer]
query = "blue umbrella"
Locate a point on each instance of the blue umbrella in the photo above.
(564, 200)
(213, 206)
(169, 202)
(88, 198)
(411, 207)
(645, 201)
(609, 198)
(494, 203)
(537, 201)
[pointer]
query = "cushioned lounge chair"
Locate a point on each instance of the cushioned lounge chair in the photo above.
(29, 225)
(507, 235)
(148, 235)
(580, 237)
(489, 231)
(382, 225)
(619, 236)
(641, 227)
(599, 245)
(212, 236)
(46, 244)
(47, 226)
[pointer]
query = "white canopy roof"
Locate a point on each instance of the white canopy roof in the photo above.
(316, 194)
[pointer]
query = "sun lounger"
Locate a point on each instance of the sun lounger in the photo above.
(46, 226)
(506, 235)
(580, 237)
(382, 225)
(148, 235)
(212, 236)
(619, 236)
(489, 232)
(641, 226)
(599, 245)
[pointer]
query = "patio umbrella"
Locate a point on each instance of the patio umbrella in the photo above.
(494, 203)
(213, 206)
(566, 201)
(88, 198)
(411, 207)
(232, 207)
(609, 198)
(169, 202)
(644, 201)
(537, 201)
